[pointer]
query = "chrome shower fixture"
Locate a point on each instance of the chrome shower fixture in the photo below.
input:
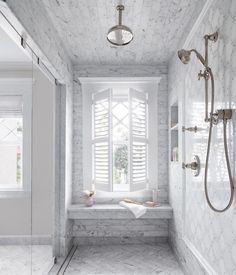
(190, 129)
(184, 56)
(212, 37)
(194, 165)
(214, 117)
(222, 115)
(120, 35)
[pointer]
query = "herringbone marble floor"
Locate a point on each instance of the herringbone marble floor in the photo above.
(25, 259)
(124, 260)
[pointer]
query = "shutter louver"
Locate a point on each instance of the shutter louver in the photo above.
(101, 140)
(138, 140)
(11, 106)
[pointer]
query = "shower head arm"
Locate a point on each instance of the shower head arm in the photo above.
(120, 9)
(199, 56)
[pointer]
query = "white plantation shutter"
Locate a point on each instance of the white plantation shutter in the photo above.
(138, 140)
(102, 140)
(11, 106)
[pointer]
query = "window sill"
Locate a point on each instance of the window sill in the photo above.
(112, 198)
(115, 212)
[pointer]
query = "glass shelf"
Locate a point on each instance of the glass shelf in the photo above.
(174, 127)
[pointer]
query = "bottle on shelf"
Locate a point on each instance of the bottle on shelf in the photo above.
(175, 155)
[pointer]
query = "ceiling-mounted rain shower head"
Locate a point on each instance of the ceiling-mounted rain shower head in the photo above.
(120, 34)
(184, 56)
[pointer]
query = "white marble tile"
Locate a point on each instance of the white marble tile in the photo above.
(157, 27)
(114, 224)
(209, 240)
(124, 260)
(25, 260)
(116, 212)
(121, 239)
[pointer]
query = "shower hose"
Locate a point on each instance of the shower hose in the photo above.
(225, 151)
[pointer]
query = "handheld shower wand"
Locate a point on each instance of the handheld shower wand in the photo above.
(214, 118)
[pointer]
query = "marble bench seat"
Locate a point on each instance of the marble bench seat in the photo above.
(115, 212)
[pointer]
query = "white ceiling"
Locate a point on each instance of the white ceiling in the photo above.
(158, 26)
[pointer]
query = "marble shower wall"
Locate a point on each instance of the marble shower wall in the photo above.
(44, 40)
(119, 71)
(120, 231)
(203, 240)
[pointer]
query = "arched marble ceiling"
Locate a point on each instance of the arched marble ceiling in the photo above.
(158, 26)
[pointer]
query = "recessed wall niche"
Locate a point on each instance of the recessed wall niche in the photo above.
(174, 131)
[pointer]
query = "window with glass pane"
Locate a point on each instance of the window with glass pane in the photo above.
(120, 137)
(120, 140)
(11, 142)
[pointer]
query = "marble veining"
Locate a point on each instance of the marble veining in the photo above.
(96, 233)
(211, 235)
(157, 27)
(116, 212)
(113, 224)
(203, 240)
(25, 259)
(124, 260)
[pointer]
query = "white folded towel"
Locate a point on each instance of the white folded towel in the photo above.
(137, 210)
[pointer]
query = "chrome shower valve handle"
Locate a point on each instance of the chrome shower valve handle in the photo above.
(204, 74)
(221, 115)
(194, 166)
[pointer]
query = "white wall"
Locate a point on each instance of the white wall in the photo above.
(15, 213)
(15, 216)
(203, 240)
(31, 16)
(42, 157)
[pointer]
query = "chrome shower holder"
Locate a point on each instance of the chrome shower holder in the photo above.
(213, 118)
(190, 129)
(222, 115)
(212, 37)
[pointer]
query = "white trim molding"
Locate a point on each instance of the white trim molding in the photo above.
(25, 240)
(91, 85)
(83, 80)
(198, 22)
(22, 87)
(203, 262)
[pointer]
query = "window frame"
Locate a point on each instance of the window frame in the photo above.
(106, 94)
(142, 95)
(94, 85)
(21, 87)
